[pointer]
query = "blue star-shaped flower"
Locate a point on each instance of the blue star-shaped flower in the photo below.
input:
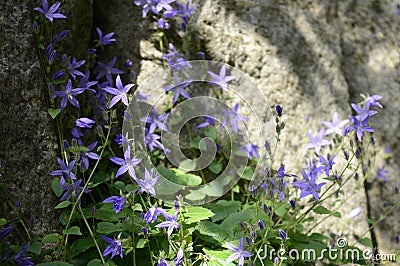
(114, 248)
(238, 252)
(52, 12)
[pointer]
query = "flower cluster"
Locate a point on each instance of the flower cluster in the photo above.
(108, 190)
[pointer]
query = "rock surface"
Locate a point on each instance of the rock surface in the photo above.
(28, 149)
(312, 57)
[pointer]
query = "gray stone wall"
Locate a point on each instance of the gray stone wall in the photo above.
(312, 57)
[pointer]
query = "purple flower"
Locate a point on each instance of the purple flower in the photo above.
(232, 117)
(52, 12)
(326, 165)
(52, 56)
(119, 202)
(336, 125)
(143, 96)
(120, 139)
(68, 95)
(22, 260)
(279, 189)
(108, 69)
(382, 173)
(152, 140)
(162, 24)
(292, 203)
(260, 224)
(85, 84)
(362, 114)
(66, 171)
(171, 223)
(374, 100)
(63, 34)
(238, 252)
(282, 234)
(114, 248)
(251, 150)
(154, 5)
(179, 88)
(76, 133)
(5, 232)
(120, 93)
(106, 39)
(86, 153)
(126, 164)
(162, 262)
(355, 212)
(309, 186)
(317, 142)
(151, 215)
(209, 121)
(179, 258)
(75, 187)
(278, 110)
(73, 65)
(155, 120)
(148, 183)
(175, 60)
(281, 172)
(84, 122)
(58, 75)
(185, 11)
(359, 127)
(222, 79)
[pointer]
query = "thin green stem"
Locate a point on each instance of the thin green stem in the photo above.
(91, 234)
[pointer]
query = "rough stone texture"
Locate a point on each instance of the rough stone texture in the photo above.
(28, 149)
(29, 143)
(312, 57)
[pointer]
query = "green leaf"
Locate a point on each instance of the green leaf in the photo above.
(248, 173)
(223, 208)
(336, 214)
(35, 247)
(215, 231)
(218, 257)
(119, 185)
(283, 209)
(187, 165)
(321, 210)
(2, 221)
(179, 177)
(55, 185)
(233, 220)
(187, 179)
(74, 230)
(105, 213)
(51, 238)
(366, 242)
(97, 262)
(212, 133)
(101, 177)
(196, 213)
(80, 245)
(197, 194)
(317, 237)
(107, 228)
(63, 204)
(215, 167)
(53, 112)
